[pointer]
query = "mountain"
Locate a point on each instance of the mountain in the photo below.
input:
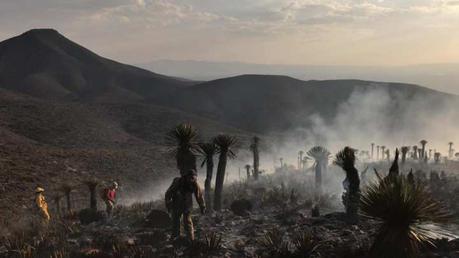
(268, 103)
(443, 77)
(67, 114)
(45, 64)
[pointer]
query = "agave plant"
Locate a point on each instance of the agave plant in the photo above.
(321, 156)
(208, 150)
(346, 160)
(184, 139)
(403, 209)
(225, 143)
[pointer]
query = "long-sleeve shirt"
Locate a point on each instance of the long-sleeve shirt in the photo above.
(179, 196)
(42, 205)
(41, 202)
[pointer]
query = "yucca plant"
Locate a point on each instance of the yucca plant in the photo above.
(208, 151)
(256, 156)
(225, 143)
(184, 139)
(351, 198)
(405, 150)
(321, 156)
(92, 186)
(57, 197)
(66, 190)
(275, 245)
(403, 209)
(423, 149)
(213, 242)
(247, 169)
(304, 244)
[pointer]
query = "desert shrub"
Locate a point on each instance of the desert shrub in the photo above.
(301, 245)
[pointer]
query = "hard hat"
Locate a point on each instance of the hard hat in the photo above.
(39, 190)
(191, 172)
(115, 184)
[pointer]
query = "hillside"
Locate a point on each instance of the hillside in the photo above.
(51, 143)
(443, 76)
(45, 64)
(269, 103)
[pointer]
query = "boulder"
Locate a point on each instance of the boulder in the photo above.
(158, 219)
(241, 207)
(87, 216)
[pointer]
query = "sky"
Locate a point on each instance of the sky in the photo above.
(315, 32)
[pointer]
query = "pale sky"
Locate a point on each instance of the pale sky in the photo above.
(325, 32)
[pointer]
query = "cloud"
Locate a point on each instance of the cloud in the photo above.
(261, 31)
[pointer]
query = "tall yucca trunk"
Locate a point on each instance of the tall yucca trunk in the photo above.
(256, 163)
(92, 197)
(208, 182)
(219, 180)
(57, 201)
(318, 170)
(69, 202)
(186, 160)
(256, 158)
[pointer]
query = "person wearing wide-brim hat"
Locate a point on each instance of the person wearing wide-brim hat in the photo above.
(41, 203)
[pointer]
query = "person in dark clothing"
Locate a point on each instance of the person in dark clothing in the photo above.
(179, 202)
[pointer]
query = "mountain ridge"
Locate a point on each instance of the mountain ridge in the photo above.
(45, 64)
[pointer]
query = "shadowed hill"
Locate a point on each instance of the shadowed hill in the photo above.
(45, 64)
(266, 103)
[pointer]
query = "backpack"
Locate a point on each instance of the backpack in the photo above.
(104, 193)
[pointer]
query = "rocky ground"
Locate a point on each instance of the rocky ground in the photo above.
(283, 227)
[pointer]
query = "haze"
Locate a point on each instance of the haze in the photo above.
(312, 32)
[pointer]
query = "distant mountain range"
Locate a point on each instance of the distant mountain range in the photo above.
(444, 77)
(43, 64)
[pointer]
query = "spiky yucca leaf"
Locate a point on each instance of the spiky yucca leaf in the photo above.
(91, 183)
(273, 242)
(66, 188)
(318, 153)
(403, 209)
(182, 137)
(304, 244)
(213, 242)
(207, 150)
(225, 143)
(345, 158)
